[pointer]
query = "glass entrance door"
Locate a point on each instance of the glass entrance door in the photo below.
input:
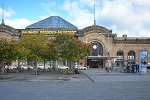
(95, 63)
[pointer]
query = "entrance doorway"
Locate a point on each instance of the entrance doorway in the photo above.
(97, 63)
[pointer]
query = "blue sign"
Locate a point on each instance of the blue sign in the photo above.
(143, 57)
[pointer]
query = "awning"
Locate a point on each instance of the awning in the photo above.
(100, 57)
(129, 60)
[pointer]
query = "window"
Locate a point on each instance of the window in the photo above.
(120, 60)
(131, 57)
(120, 54)
(97, 49)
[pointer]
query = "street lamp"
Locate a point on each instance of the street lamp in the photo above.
(108, 53)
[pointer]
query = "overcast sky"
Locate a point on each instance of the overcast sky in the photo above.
(122, 16)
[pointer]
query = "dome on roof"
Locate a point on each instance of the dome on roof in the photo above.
(96, 28)
(52, 22)
(124, 35)
(7, 29)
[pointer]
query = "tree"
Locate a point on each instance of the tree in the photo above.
(48, 51)
(52, 53)
(71, 48)
(22, 52)
(7, 52)
(33, 46)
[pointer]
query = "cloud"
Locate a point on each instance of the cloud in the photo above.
(19, 23)
(43, 17)
(77, 14)
(90, 3)
(126, 16)
(50, 9)
(7, 13)
(47, 6)
(122, 16)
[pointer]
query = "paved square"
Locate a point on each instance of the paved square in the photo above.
(96, 84)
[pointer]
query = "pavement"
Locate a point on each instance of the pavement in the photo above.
(45, 76)
(99, 75)
(90, 84)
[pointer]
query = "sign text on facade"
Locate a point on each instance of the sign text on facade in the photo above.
(46, 32)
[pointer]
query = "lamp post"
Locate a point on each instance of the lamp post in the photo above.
(108, 53)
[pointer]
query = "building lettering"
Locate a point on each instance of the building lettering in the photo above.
(47, 32)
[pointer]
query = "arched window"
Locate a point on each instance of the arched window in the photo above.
(120, 54)
(131, 57)
(97, 49)
(120, 60)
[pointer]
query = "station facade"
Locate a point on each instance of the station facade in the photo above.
(122, 50)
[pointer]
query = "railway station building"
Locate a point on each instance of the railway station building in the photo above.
(122, 50)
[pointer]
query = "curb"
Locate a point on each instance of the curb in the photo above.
(88, 77)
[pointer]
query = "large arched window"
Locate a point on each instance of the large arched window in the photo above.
(120, 60)
(131, 57)
(120, 55)
(97, 49)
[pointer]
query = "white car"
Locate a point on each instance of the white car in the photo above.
(41, 66)
(24, 67)
(80, 67)
(12, 67)
(62, 67)
(31, 66)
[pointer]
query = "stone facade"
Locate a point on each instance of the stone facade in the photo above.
(9, 33)
(101, 37)
(110, 42)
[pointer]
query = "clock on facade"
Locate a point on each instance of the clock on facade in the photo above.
(94, 46)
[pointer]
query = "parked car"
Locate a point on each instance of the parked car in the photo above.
(11, 67)
(148, 66)
(41, 66)
(80, 67)
(24, 67)
(62, 67)
(30, 67)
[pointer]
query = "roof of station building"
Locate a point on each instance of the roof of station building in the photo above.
(7, 29)
(52, 22)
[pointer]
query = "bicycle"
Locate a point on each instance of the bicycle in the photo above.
(36, 71)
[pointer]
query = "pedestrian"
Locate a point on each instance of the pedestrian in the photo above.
(106, 68)
(73, 69)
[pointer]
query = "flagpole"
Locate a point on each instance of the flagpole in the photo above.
(94, 16)
(108, 53)
(2, 13)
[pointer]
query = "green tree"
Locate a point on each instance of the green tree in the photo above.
(70, 48)
(22, 52)
(52, 53)
(48, 51)
(7, 51)
(33, 46)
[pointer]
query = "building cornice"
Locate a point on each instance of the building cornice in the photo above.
(131, 41)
